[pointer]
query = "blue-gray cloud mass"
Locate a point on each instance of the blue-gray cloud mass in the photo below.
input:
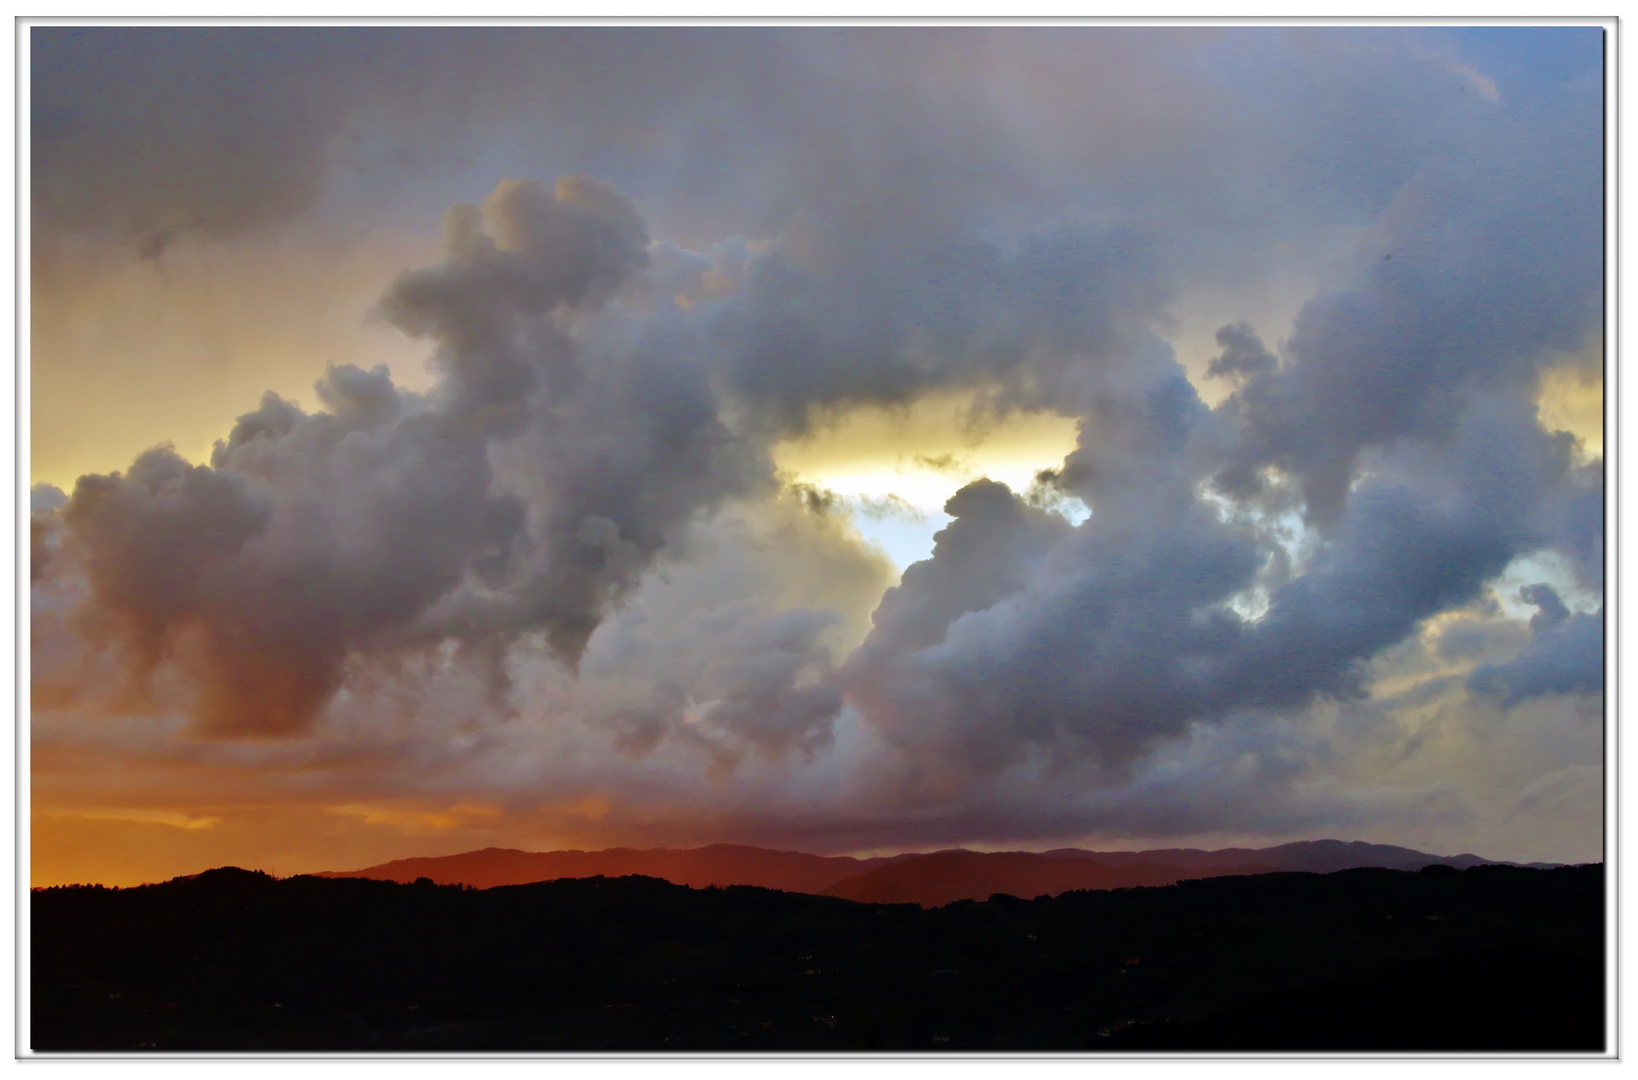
(737, 234)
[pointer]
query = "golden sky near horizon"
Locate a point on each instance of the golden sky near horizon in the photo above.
(126, 354)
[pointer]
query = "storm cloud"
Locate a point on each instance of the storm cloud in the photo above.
(1264, 587)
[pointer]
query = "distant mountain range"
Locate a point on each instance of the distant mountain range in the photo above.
(930, 880)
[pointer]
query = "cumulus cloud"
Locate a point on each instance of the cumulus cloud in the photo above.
(1108, 638)
(1477, 294)
(309, 536)
(1273, 615)
(383, 522)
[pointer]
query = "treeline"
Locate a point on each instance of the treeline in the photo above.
(1491, 958)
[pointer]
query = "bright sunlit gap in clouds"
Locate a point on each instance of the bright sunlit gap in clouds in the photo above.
(896, 467)
(1571, 398)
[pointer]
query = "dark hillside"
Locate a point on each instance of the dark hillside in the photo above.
(716, 864)
(1491, 958)
(1311, 856)
(947, 876)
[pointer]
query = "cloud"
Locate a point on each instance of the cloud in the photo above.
(836, 320)
(43, 500)
(565, 573)
(382, 523)
(1563, 657)
(1243, 353)
(1102, 642)
(232, 152)
(1477, 293)
(308, 538)
(889, 506)
(1551, 610)
(174, 818)
(730, 651)
(1462, 638)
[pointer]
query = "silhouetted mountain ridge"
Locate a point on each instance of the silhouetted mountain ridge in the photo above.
(1314, 856)
(929, 879)
(947, 876)
(716, 864)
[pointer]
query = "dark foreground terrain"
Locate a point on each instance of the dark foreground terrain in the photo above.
(1488, 958)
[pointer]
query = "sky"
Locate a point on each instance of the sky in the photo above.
(831, 439)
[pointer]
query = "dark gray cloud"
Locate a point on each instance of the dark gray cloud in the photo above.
(1243, 353)
(1565, 656)
(1580, 532)
(1550, 609)
(834, 317)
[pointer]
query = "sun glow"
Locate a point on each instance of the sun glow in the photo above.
(1572, 399)
(896, 467)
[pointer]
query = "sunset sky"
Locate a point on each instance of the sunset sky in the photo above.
(842, 440)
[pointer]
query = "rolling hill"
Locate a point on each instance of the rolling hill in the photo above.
(947, 876)
(717, 864)
(928, 879)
